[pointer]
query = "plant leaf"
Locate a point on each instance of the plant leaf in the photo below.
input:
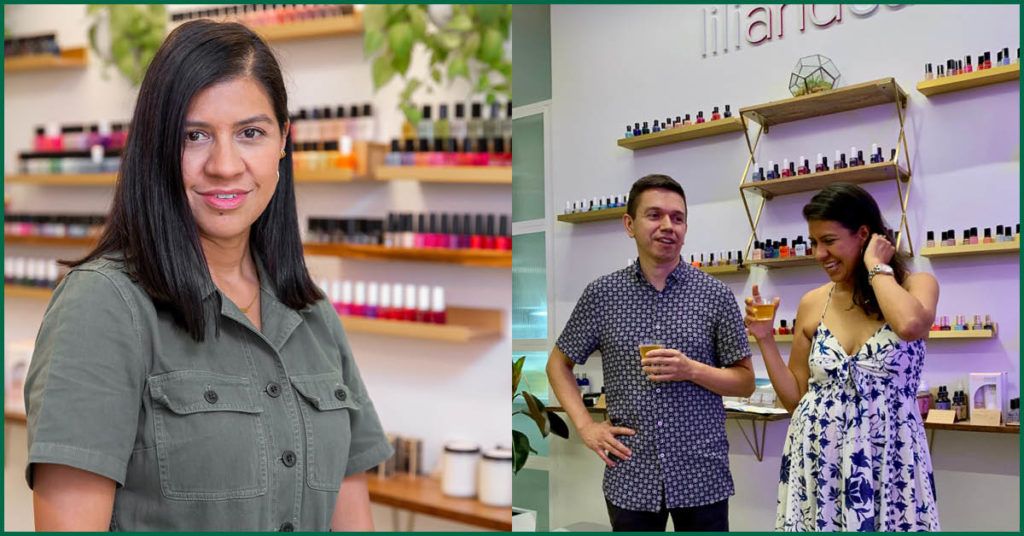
(382, 71)
(460, 23)
(418, 20)
(521, 450)
(487, 14)
(372, 41)
(537, 413)
(458, 67)
(471, 45)
(400, 39)
(558, 426)
(517, 373)
(435, 75)
(401, 64)
(412, 113)
(491, 47)
(449, 40)
(374, 17)
(410, 87)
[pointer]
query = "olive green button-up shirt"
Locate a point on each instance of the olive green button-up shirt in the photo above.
(248, 430)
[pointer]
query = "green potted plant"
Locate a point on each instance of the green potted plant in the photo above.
(127, 36)
(463, 41)
(548, 422)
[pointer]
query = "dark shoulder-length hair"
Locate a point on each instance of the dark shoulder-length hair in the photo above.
(150, 222)
(851, 206)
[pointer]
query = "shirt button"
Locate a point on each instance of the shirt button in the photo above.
(211, 396)
(662, 456)
(287, 527)
(274, 389)
(288, 458)
(658, 390)
(340, 394)
(659, 423)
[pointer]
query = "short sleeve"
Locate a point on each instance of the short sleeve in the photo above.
(83, 393)
(370, 446)
(580, 337)
(731, 343)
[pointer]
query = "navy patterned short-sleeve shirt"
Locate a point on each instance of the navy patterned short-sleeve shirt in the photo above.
(680, 451)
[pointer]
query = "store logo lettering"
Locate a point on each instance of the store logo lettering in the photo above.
(761, 24)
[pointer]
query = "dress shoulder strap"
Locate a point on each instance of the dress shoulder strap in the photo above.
(827, 303)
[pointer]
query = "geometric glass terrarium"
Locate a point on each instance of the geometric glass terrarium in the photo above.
(813, 74)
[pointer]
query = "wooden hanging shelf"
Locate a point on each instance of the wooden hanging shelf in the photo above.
(486, 258)
(816, 181)
(975, 249)
(457, 174)
(61, 241)
(864, 95)
(464, 325)
(22, 291)
(788, 262)
(681, 134)
(324, 27)
(593, 215)
(960, 82)
(63, 179)
(69, 58)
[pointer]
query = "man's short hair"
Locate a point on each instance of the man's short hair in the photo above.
(649, 182)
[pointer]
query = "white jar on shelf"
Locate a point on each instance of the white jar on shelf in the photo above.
(459, 476)
(496, 477)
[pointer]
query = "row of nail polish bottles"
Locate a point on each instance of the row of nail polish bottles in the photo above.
(387, 301)
(448, 231)
(266, 14)
(680, 121)
(31, 272)
(724, 258)
(449, 152)
(320, 125)
(596, 203)
(458, 127)
(57, 226)
(958, 67)
(960, 323)
(1004, 233)
(803, 166)
(53, 137)
(781, 249)
(784, 328)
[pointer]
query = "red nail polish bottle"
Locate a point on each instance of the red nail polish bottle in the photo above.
(700, 117)
(715, 116)
(490, 241)
(477, 239)
(423, 304)
(465, 158)
(359, 303)
(420, 237)
(504, 241)
(481, 157)
(438, 311)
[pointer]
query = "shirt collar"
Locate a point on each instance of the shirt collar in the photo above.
(675, 276)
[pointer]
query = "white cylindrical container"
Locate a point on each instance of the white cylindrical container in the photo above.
(496, 477)
(459, 477)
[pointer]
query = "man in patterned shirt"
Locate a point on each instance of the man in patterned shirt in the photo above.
(664, 443)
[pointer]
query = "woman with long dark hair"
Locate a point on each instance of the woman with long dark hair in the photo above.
(856, 456)
(188, 374)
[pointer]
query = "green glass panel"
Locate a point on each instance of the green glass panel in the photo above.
(531, 54)
(529, 287)
(528, 168)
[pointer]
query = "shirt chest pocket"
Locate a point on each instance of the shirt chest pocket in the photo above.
(209, 436)
(328, 408)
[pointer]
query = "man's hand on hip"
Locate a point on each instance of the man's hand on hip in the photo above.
(668, 365)
(600, 438)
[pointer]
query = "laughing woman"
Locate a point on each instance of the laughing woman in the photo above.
(188, 374)
(856, 457)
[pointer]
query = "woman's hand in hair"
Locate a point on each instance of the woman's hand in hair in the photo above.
(878, 251)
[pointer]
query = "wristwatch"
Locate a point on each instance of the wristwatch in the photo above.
(883, 269)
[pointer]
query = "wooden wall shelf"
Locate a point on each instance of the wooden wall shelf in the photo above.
(325, 27)
(593, 215)
(327, 176)
(844, 99)
(788, 262)
(464, 325)
(21, 291)
(423, 495)
(50, 241)
(960, 82)
(70, 58)
(968, 427)
(457, 174)
(816, 181)
(681, 134)
(932, 335)
(976, 249)
(727, 269)
(486, 258)
(65, 179)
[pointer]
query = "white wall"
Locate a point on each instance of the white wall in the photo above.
(613, 65)
(434, 391)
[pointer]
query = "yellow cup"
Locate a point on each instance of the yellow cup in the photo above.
(647, 347)
(764, 307)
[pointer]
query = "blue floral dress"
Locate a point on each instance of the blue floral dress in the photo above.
(856, 455)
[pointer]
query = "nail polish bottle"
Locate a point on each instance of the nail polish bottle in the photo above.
(999, 58)
(409, 312)
(439, 312)
(423, 313)
(757, 174)
(931, 239)
(384, 310)
(783, 329)
(504, 239)
(939, 72)
(739, 257)
(686, 120)
(819, 164)
(477, 238)
(792, 169)
(395, 310)
(775, 171)
(667, 124)
(928, 72)
(1016, 233)
(443, 237)
(942, 402)
(988, 323)
(988, 236)
(475, 125)
(372, 300)
(629, 131)
(358, 307)
(693, 262)
(728, 113)
(999, 234)
(1013, 416)
(977, 325)
(853, 157)
(758, 253)
(711, 259)
(974, 236)
(645, 129)
(967, 64)
(801, 247)
(656, 128)
(805, 168)
(490, 239)
(768, 174)
(783, 249)
(959, 67)
(785, 168)
(715, 116)
(700, 117)
(1007, 234)
(769, 249)
(988, 59)
(636, 129)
